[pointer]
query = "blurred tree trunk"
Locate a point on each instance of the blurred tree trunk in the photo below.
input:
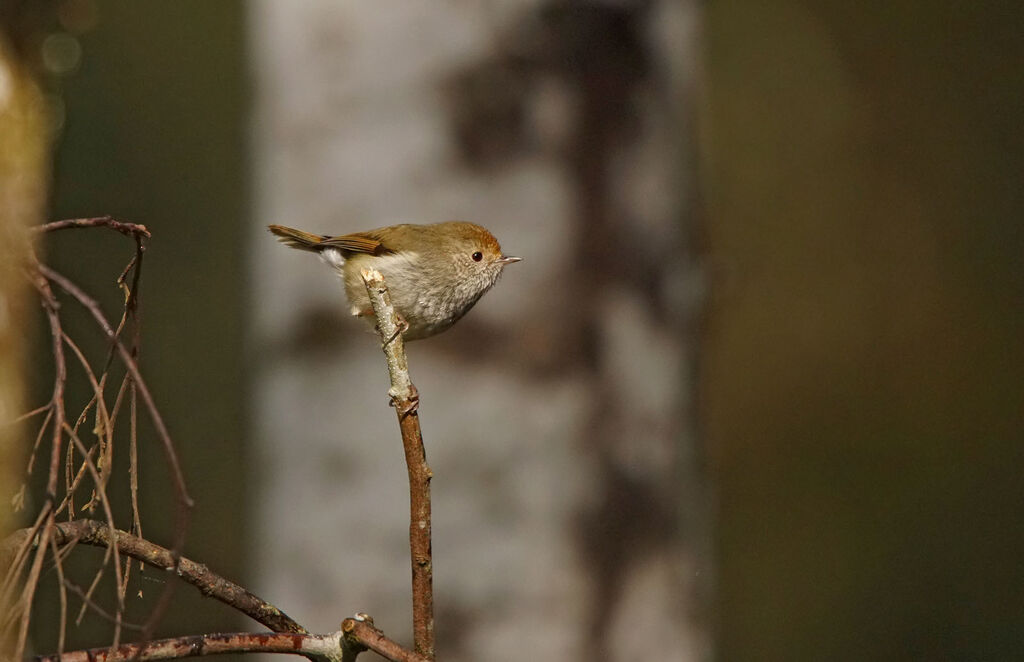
(562, 126)
(23, 175)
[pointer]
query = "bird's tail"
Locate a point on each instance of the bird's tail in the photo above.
(306, 241)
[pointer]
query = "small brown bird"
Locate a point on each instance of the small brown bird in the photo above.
(435, 273)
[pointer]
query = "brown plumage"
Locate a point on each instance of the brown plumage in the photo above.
(359, 242)
(435, 273)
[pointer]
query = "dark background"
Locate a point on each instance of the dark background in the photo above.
(155, 133)
(865, 364)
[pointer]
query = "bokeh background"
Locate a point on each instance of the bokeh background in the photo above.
(755, 392)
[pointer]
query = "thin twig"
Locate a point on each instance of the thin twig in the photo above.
(406, 400)
(90, 304)
(183, 502)
(14, 552)
(77, 590)
(101, 492)
(104, 421)
(32, 581)
(27, 415)
(93, 532)
(133, 464)
(58, 563)
(39, 438)
(128, 229)
(132, 309)
(66, 503)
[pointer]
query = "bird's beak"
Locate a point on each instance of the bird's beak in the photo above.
(505, 259)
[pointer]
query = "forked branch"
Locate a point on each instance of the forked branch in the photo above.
(356, 635)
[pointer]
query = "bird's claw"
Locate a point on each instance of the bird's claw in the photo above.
(403, 326)
(409, 405)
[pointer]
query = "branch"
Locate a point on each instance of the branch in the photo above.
(406, 400)
(127, 229)
(356, 635)
(361, 634)
(314, 646)
(182, 501)
(92, 532)
(389, 326)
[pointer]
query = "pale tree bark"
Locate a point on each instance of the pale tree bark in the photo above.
(23, 177)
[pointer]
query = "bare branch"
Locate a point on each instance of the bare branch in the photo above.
(356, 635)
(92, 532)
(127, 229)
(406, 401)
(182, 499)
(314, 646)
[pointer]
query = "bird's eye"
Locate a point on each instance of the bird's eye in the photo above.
(477, 256)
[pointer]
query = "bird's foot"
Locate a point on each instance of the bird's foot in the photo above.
(403, 326)
(409, 405)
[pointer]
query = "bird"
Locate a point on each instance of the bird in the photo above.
(435, 272)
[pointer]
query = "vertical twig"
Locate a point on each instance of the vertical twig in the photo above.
(58, 563)
(405, 399)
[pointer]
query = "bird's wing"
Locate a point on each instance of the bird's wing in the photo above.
(359, 242)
